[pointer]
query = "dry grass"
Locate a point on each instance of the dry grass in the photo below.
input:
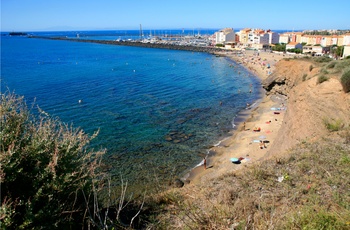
(309, 189)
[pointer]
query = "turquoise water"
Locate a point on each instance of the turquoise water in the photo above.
(156, 109)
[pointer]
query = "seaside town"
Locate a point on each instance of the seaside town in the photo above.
(310, 42)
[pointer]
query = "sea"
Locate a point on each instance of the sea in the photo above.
(158, 111)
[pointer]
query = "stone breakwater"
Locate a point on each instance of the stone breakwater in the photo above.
(212, 50)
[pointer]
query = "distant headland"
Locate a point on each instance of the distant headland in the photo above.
(17, 34)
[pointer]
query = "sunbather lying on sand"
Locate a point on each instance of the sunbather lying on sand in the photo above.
(257, 129)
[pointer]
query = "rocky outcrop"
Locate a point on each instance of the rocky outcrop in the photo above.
(287, 75)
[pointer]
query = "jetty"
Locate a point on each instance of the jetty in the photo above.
(159, 45)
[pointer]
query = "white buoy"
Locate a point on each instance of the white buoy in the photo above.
(80, 101)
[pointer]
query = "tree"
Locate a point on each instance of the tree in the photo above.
(279, 47)
(295, 50)
(339, 51)
(47, 172)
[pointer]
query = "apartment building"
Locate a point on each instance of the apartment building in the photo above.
(243, 35)
(346, 40)
(225, 35)
(285, 38)
(273, 37)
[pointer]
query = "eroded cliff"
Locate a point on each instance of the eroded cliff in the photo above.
(311, 105)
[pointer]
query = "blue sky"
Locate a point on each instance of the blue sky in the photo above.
(38, 15)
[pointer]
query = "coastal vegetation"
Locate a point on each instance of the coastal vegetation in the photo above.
(322, 78)
(339, 68)
(297, 51)
(47, 173)
(279, 47)
(345, 80)
(325, 32)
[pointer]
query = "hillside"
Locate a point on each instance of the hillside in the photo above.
(310, 104)
(304, 181)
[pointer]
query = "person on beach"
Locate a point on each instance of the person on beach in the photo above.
(257, 129)
(262, 145)
(205, 163)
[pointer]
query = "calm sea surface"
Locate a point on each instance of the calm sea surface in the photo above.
(157, 110)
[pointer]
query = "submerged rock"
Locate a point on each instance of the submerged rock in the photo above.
(178, 183)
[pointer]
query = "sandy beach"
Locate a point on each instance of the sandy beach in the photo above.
(266, 114)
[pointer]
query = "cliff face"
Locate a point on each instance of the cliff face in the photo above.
(287, 75)
(309, 104)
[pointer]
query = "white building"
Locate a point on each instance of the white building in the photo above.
(225, 35)
(284, 38)
(346, 51)
(346, 40)
(294, 45)
(257, 36)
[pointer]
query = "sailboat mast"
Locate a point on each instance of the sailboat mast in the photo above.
(141, 32)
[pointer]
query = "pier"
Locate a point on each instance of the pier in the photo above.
(159, 45)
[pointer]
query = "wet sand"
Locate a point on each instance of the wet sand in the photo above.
(245, 142)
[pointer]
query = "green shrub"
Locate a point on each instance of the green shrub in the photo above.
(331, 65)
(322, 78)
(323, 59)
(324, 71)
(311, 68)
(345, 80)
(46, 170)
(333, 126)
(340, 66)
(304, 76)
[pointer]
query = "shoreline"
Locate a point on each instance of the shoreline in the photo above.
(244, 142)
(219, 155)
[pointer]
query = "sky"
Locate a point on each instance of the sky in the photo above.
(51, 15)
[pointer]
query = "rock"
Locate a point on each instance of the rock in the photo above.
(178, 183)
(168, 138)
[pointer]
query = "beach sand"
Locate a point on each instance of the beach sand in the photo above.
(244, 142)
